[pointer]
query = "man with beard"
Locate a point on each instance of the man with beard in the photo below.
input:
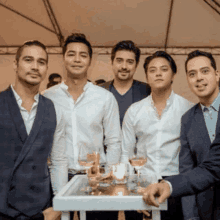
(30, 129)
(125, 57)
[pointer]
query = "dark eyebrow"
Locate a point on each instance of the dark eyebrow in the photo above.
(206, 67)
(27, 57)
(152, 67)
(73, 51)
(42, 59)
(30, 57)
(190, 71)
(83, 52)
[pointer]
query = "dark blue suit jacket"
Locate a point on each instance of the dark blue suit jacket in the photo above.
(200, 167)
(140, 89)
(24, 177)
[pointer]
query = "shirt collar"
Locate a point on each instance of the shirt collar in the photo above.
(18, 98)
(215, 104)
(65, 87)
(168, 102)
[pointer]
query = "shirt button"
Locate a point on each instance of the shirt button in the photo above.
(32, 187)
(12, 187)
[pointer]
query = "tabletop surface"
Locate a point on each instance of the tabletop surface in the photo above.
(123, 196)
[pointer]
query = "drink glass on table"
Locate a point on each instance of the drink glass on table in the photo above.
(137, 160)
(89, 160)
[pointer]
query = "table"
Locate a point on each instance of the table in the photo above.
(116, 197)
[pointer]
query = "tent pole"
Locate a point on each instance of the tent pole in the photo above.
(168, 24)
(54, 21)
(215, 6)
(24, 16)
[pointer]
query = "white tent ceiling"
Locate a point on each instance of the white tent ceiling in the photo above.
(149, 23)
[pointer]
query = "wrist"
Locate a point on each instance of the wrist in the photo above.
(168, 184)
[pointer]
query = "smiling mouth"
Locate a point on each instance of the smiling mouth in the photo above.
(34, 75)
(201, 86)
(123, 72)
(159, 80)
(77, 67)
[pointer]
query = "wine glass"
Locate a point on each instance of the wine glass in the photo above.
(86, 157)
(137, 159)
(89, 160)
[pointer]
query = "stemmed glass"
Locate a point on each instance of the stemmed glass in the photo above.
(88, 158)
(137, 159)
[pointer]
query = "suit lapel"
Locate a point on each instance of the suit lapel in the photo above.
(201, 126)
(33, 133)
(218, 122)
(16, 115)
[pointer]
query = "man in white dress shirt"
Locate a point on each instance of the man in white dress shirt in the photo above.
(198, 182)
(153, 125)
(91, 112)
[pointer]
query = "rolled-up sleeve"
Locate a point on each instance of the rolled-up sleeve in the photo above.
(112, 130)
(59, 161)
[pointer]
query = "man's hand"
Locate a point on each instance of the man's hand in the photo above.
(50, 214)
(154, 190)
(144, 212)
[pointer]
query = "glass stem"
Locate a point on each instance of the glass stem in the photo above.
(138, 176)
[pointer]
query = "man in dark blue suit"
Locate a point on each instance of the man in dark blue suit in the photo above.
(199, 163)
(30, 130)
(125, 57)
(198, 132)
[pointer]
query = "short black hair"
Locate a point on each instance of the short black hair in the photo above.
(164, 55)
(126, 45)
(77, 38)
(99, 81)
(28, 44)
(53, 76)
(198, 53)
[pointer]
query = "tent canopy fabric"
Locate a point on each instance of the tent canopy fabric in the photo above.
(149, 23)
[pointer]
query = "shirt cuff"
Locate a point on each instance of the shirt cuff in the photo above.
(171, 188)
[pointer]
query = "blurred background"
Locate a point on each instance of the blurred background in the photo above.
(177, 26)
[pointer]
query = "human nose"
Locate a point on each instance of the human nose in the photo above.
(35, 65)
(158, 73)
(77, 58)
(124, 65)
(199, 76)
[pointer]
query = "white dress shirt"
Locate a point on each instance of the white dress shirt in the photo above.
(59, 162)
(157, 137)
(92, 117)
